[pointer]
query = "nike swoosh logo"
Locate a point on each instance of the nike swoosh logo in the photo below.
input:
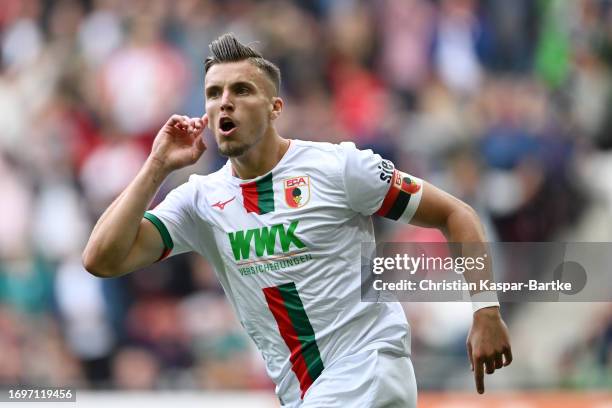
(222, 205)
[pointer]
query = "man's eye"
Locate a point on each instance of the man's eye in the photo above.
(243, 91)
(212, 94)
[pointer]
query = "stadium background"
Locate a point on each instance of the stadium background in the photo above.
(506, 104)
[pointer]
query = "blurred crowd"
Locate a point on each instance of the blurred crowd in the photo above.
(506, 104)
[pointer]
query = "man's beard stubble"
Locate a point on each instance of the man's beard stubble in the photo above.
(233, 151)
(236, 149)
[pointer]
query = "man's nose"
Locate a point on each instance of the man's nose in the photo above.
(227, 102)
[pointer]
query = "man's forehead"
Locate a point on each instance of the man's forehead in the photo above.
(229, 72)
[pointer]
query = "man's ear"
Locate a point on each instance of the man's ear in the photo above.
(277, 108)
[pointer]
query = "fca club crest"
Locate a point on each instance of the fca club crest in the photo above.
(297, 191)
(410, 186)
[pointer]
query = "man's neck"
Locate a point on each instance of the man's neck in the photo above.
(261, 158)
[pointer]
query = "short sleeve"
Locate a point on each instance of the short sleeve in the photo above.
(374, 186)
(174, 219)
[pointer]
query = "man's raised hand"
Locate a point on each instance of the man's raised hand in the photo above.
(179, 142)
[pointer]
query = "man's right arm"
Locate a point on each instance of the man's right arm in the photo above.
(122, 240)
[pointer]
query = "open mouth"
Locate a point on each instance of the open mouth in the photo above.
(226, 124)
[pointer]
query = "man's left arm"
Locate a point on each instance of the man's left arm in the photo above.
(374, 186)
(488, 343)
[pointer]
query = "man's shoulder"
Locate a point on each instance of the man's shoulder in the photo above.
(316, 146)
(218, 176)
(316, 158)
(338, 150)
(324, 154)
(324, 147)
(199, 184)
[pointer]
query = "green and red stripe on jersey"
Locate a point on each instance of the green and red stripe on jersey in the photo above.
(163, 231)
(258, 196)
(295, 329)
(403, 187)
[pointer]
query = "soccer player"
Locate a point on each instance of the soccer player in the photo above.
(282, 224)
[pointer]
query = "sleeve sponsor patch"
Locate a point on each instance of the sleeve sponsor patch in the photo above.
(403, 197)
(386, 170)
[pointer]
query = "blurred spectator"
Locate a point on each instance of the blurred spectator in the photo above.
(85, 319)
(135, 369)
(142, 83)
(455, 46)
(406, 26)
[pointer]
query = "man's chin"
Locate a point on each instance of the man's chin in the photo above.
(232, 149)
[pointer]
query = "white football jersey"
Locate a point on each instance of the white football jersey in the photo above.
(286, 248)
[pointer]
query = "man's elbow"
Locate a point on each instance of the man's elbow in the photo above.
(463, 223)
(94, 266)
(467, 211)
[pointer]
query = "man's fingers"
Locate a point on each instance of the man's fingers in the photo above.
(199, 144)
(499, 363)
(187, 124)
(184, 122)
(190, 125)
(507, 356)
(194, 125)
(175, 121)
(469, 350)
(490, 365)
(179, 121)
(479, 376)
